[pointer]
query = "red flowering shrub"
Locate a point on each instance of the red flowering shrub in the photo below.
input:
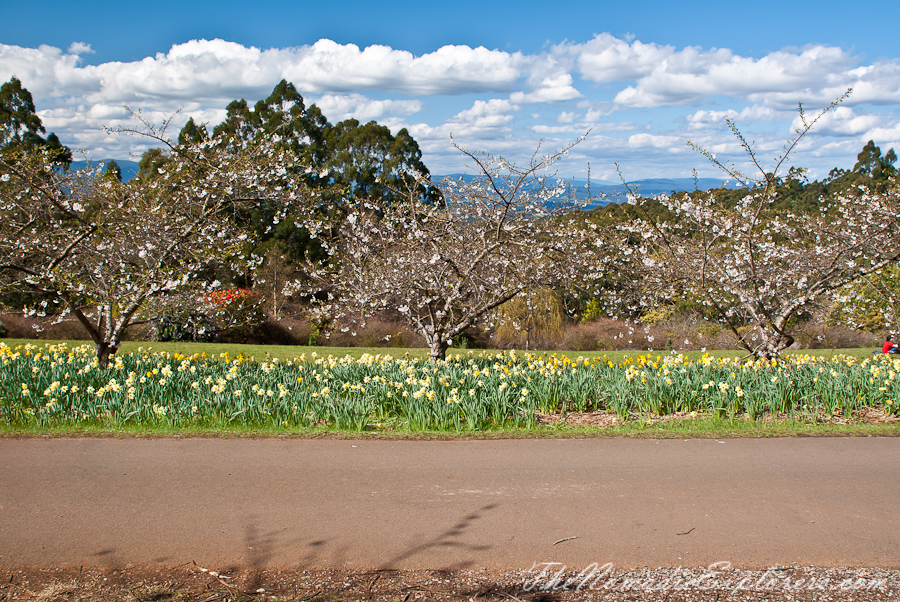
(236, 311)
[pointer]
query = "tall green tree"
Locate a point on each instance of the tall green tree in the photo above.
(113, 170)
(282, 117)
(872, 170)
(21, 128)
(150, 163)
(374, 165)
(193, 133)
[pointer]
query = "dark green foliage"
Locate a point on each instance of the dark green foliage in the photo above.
(795, 193)
(21, 128)
(192, 133)
(282, 114)
(347, 160)
(150, 162)
(871, 170)
(18, 120)
(372, 164)
(113, 170)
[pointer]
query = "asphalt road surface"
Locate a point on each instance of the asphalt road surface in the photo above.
(505, 504)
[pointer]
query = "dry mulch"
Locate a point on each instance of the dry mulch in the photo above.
(191, 583)
(605, 419)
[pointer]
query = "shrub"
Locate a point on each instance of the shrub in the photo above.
(182, 318)
(535, 321)
(237, 313)
(377, 332)
(20, 326)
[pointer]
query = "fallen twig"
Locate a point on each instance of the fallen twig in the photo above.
(565, 539)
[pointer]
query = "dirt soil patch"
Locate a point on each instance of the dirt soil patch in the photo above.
(605, 419)
(192, 583)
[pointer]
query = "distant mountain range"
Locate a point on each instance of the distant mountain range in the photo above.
(129, 168)
(610, 191)
(613, 192)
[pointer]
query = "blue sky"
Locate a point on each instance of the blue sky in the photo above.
(643, 77)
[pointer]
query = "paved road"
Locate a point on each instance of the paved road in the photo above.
(229, 503)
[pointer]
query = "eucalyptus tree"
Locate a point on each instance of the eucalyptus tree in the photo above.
(371, 164)
(283, 118)
(21, 127)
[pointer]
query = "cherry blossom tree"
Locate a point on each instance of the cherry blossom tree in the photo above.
(105, 251)
(448, 265)
(871, 303)
(754, 265)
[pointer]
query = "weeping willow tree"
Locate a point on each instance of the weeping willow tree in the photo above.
(531, 320)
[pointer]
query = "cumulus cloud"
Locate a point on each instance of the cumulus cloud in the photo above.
(704, 118)
(607, 58)
(842, 121)
(47, 72)
(653, 141)
(692, 74)
(80, 48)
(551, 89)
(215, 69)
(492, 113)
(886, 136)
(327, 65)
(356, 106)
(557, 87)
(598, 110)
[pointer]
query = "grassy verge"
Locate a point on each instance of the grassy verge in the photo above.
(699, 428)
(286, 352)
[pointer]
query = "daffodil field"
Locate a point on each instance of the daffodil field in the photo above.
(59, 385)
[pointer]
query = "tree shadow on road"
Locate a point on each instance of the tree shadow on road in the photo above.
(449, 538)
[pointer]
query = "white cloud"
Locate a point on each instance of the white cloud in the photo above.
(704, 118)
(692, 74)
(356, 106)
(608, 59)
(216, 69)
(80, 48)
(493, 113)
(842, 121)
(551, 89)
(596, 111)
(47, 72)
(886, 137)
(653, 141)
(636, 80)
(327, 65)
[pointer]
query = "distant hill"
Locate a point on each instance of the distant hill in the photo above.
(129, 168)
(613, 192)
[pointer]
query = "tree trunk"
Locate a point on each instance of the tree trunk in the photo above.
(104, 350)
(438, 348)
(773, 343)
